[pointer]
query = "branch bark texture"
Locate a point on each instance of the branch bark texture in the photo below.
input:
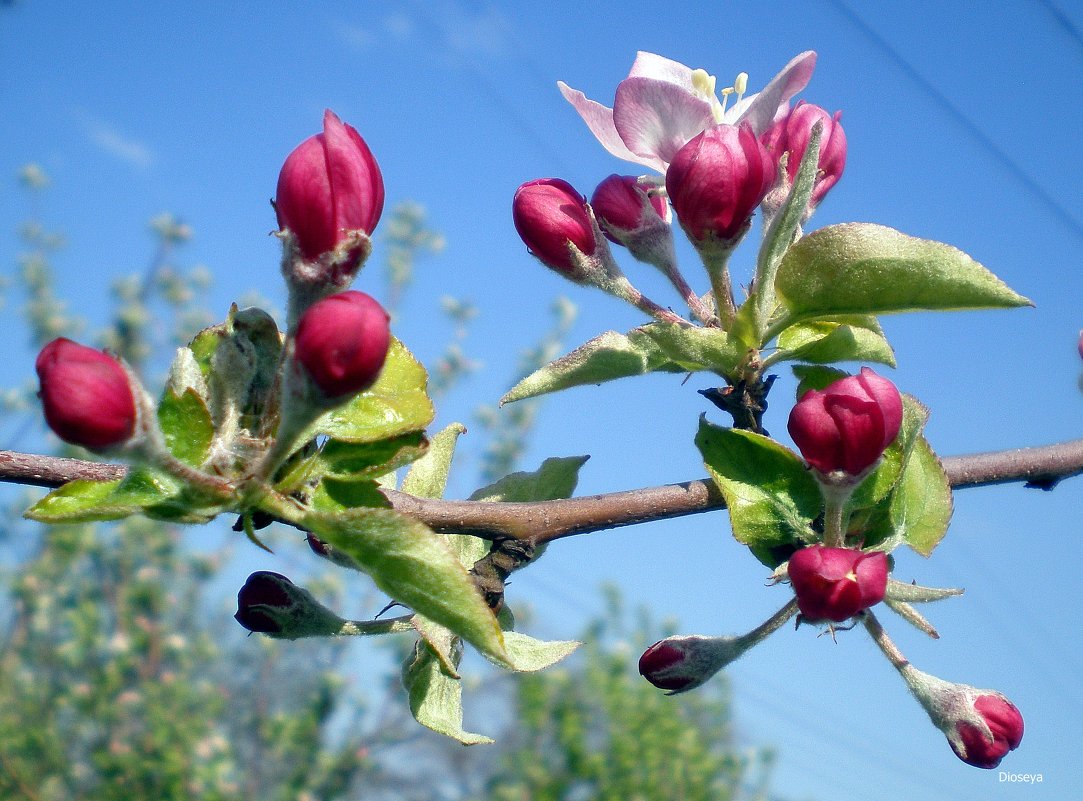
(537, 523)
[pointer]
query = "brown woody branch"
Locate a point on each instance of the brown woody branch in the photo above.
(544, 521)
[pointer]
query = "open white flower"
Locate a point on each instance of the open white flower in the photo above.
(662, 104)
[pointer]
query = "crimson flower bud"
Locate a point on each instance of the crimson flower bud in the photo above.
(791, 134)
(847, 425)
(269, 603)
(554, 221)
(262, 594)
(684, 662)
(1003, 731)
(624, 208)
(329, 185)
(717, 180)
(86, 394)
(342, 342)
(982, 726)
(837, 583)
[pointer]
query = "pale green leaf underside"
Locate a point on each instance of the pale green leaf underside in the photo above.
(846, 339)
(415, 566)
(435, 697)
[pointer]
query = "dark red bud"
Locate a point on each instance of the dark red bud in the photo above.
(622, 204)
(836, 583)
(716, 181)
(328, 185)
(847, 425)
(342, 342)
(549, 215)
(263, 589)
(982, 749)
(86, 395)
(791, 134)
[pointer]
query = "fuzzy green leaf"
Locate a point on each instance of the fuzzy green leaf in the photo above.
(427, 477)
(186, 424)
(436, 699)
(396, 404)
(528, 654)
(333, 495)
(556, 478)
(771, 497)
(84, 501)
(921, 504)
(846, 339)
(861, 268)
(415, 566)
(694, 348)
(605, 358)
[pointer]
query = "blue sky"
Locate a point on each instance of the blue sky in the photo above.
(962, 119)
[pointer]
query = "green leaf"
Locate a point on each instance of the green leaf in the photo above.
(846, 339)
(861, 268)
(84, 501)
(427, 477)
(694, 348)
(332, 495)
(921, 504)
(436, 699)
(186, 424)
(815, 377)
(415, 566)
(528, 654)
(756, 312)
(883, 479)
(605, 358)
(556, 478)
(396, 404)
(771, 496)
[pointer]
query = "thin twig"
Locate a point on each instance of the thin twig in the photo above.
(545, 521)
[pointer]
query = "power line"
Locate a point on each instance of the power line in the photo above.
(1063, 22)
(948, 107)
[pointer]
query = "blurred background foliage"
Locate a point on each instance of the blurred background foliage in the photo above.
(118, 682)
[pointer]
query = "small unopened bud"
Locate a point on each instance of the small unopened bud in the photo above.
(847, 425)
(87, 395)
(791, 134)
(342, 343)
(836, 583)
(330, 197)
(271, 604)
(684, 662)
(555, 223)
(982, 726)
(631, 216)
(329, 185)
(716, 181)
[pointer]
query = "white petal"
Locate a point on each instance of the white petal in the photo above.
(599, 119)
(760, 109)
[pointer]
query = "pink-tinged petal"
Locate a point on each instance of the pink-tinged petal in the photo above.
(599, 120)
(655, 118)
(760, 109)
(649, 65)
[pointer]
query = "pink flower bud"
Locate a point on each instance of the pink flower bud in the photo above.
(550, 217)
(717, 180)
(624, 208)
(982, 726)
(791, 134)
(86, 394)
(847, 425)
(837, 583)
(1003, 731)
(684, 662)
(342, 342)
(329, 185)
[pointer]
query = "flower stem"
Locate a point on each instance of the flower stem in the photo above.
(884, 642)
(717, 263)
(697, 307)
(768, 626)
